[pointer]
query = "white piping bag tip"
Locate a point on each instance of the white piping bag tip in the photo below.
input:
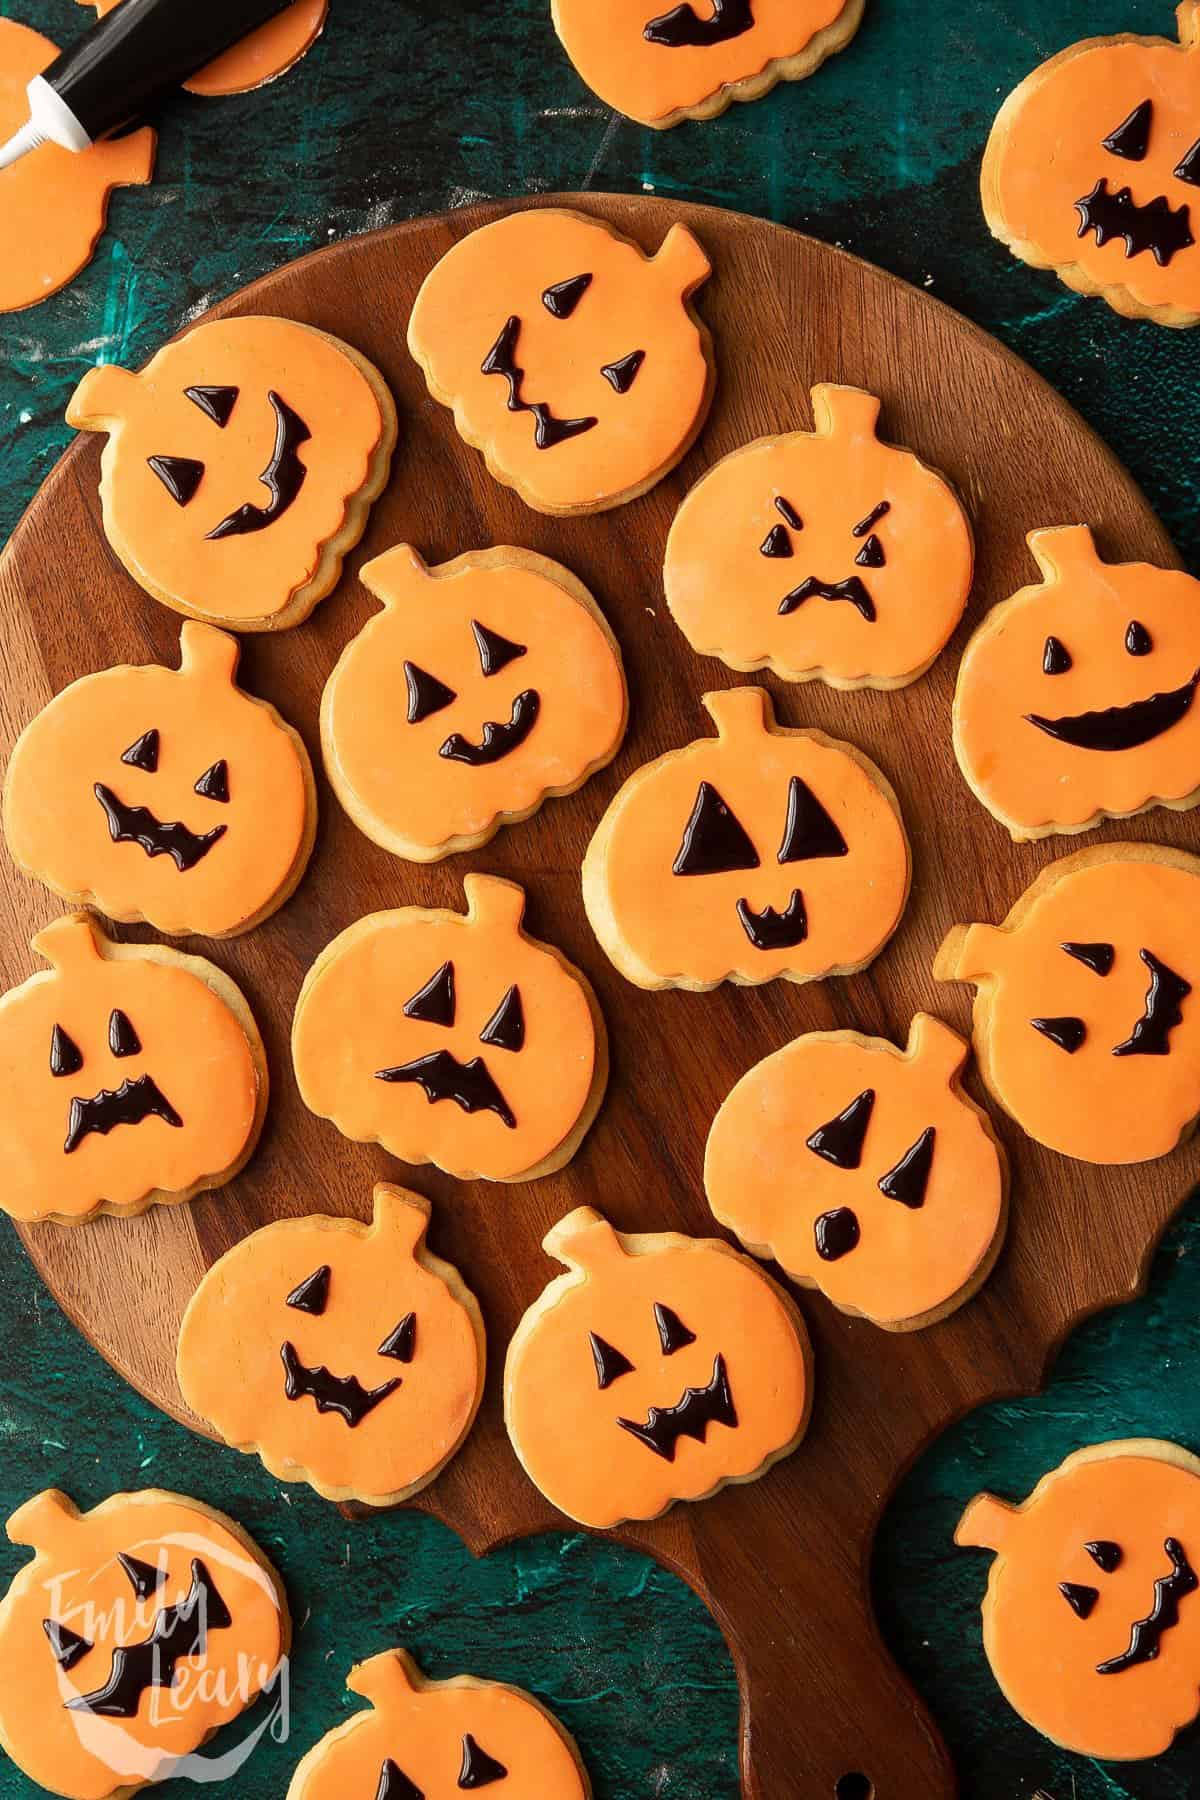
(28, 138)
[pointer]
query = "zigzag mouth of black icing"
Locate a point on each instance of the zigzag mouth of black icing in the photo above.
(1156, 225)
(441, 1076)
(129, 1104)
(1122, 727)
(178, 1631)
(498, 740)
(772, 930)
(853, 589)
(689, 1417)
(1145, 1634)
(138, 825)
(344, 1395)
(549, 431)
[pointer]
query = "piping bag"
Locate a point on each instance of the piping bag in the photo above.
(129, 59)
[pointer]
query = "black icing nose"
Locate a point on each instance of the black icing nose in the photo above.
(837, 1233)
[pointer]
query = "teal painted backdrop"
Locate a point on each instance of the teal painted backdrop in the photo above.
(406, 108)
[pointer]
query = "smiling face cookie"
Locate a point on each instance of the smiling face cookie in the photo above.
(826, 555)
(240, 466)
(1092, 1617)
(511, 690)
(571, 359)
(1086, 1023)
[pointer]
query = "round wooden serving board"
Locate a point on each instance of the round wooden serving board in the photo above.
(784, 1563)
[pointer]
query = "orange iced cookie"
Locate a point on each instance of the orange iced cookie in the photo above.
(453, 1039)
(1074, 698)
(689, 61)
(864, 1171)
(757, 853)
(54, 202)
(659, 1368)
(139, 1629)
(425, 1739)
(823, 555)
(131, 1075)
(1092, 170)
(1086, 1029)
(165, 795)
(511, 690)
(1091, 1621)
(572, 360)
(261, 56)
(240, 466)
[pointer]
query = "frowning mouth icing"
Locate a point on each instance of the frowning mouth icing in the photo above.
(129, 1104)
(690, 1417)
(344, 1395)
(499, 740)
(138, 825)
(852, 589)
(1121, 727)
(441, 1076)
(771, 930)
(1157, 226)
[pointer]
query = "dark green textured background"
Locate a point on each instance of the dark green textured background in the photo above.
(406, 108)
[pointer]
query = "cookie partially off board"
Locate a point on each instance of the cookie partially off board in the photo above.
(262, 56)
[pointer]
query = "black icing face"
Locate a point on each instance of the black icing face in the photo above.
(691, 1415)
(840, 1141)
(428, 695)
(283, 475)
(130, 823)
(344, 1395)
(440, 1074)
(1153, 225)
(1161, 1013)
(1145, 1634)
(1115, 728)
(865, 542)
(477, 1769)
(129, 1104)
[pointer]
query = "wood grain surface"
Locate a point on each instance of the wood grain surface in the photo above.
(783, 1563)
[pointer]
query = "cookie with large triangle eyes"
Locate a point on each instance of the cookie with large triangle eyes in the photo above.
(574, 361)
(824, 555)
(240, 466)
(433, 1740)
(453, 1038)
(484, 686)
(761, 852)
(865, 1171)
(1092, 169)
(1087, 1009)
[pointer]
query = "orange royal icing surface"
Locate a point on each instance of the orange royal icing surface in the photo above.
(167, 544)
(423, 782)
(655, 63)
(71, 1611)
(1075, 697)
(863, 1170)
(193, 1062)
(1092, 170)
(337, 1351)
(259, 57)
(163, 794)
(390, 1026)
(772, 525)
(54, 202)
(1112, 1072)
(685, 1327)
(440, 1737)
(614, 376)
(1075, 1584)
(666, 920)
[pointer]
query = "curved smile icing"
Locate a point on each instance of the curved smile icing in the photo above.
(138, 825)
(1121, 727)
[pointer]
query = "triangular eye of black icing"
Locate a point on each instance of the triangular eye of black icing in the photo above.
(840, 1141)
(610, 1362)
(1189, 169)
(622, 374)
(66, 1646)
(434, 1004)
(809, 832)
(66, 1057)
(1131, 139)
(426, 694)
(788, 513)
(214, 783)
(871, 556)
(123, 1040)
(1056, 658)
(144, 1578)
(478, 1768)
(563, 297)
(907, 1180)
(1099, 958)
(673, 1334)
(713, 839)
(180, 475)
(401, 1343)
(394, 1784)
(495, 651)
(506, 1027)
(1105, 1554)
(143, 753)
(1080, 1598)
(1067, 1033)
(776, 543)
(216, 403)
(312, 1295)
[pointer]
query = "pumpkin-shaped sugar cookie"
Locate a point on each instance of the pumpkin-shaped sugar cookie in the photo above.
(657, 1369)
(1093, 170)
(571, 359)
(511, 690)
(453, 1039)
(1075, 697)
(757, 853)
(137, 1631)
(1092, 1617)
(261, 56)
(240, 466)
(865, 1171)
(166, 795)
(1087, 1025)
(430, 1740)
(130, 1074)
(827, 555)
(346, 1355)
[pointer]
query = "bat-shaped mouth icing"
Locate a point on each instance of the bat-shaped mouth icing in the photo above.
(501, 359)
(441, 1076)
(689, 1417)
(853, 589)
(344, 1395)
(138, 825)
(1156, 226)
(1146, 1634)
(1121, 727)
(129, 1104)
(499, 740)
(772, 930)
